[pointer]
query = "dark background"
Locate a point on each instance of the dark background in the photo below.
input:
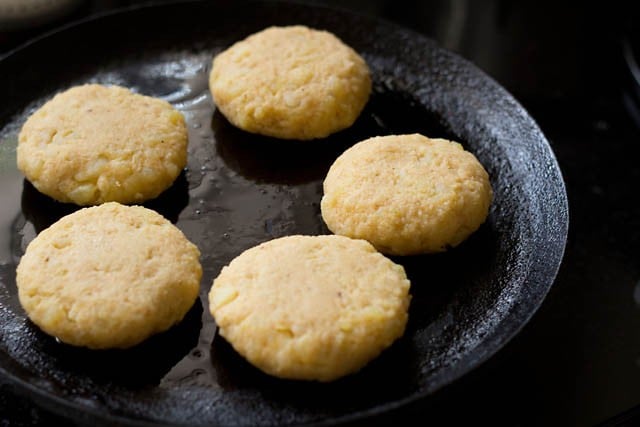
(577, 363)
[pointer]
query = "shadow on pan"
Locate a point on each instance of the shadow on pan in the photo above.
(135, 368)
(42, 210)
(289, 162)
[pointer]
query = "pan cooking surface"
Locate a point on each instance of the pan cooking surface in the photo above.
(240, 189)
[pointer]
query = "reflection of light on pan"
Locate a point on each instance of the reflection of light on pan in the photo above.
(631, 97)
(178, 78)
(9, 189)
(20, 14)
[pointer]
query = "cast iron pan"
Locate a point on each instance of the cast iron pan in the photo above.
(240, 190)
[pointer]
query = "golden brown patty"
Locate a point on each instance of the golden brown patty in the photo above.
(406, 194)
(310, 307)
(108, 276)
(93, 144)
(290, 82)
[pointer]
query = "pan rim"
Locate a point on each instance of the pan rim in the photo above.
(463, 366)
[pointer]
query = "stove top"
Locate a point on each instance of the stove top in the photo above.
(577, 362)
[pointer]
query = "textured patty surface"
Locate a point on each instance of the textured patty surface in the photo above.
(291, 83)
(406, 194)
(108, 276)
(93, 144)
(311, 307)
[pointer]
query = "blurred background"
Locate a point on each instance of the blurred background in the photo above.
(575, 69)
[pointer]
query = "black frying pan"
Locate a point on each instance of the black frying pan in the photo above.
(241, 189)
